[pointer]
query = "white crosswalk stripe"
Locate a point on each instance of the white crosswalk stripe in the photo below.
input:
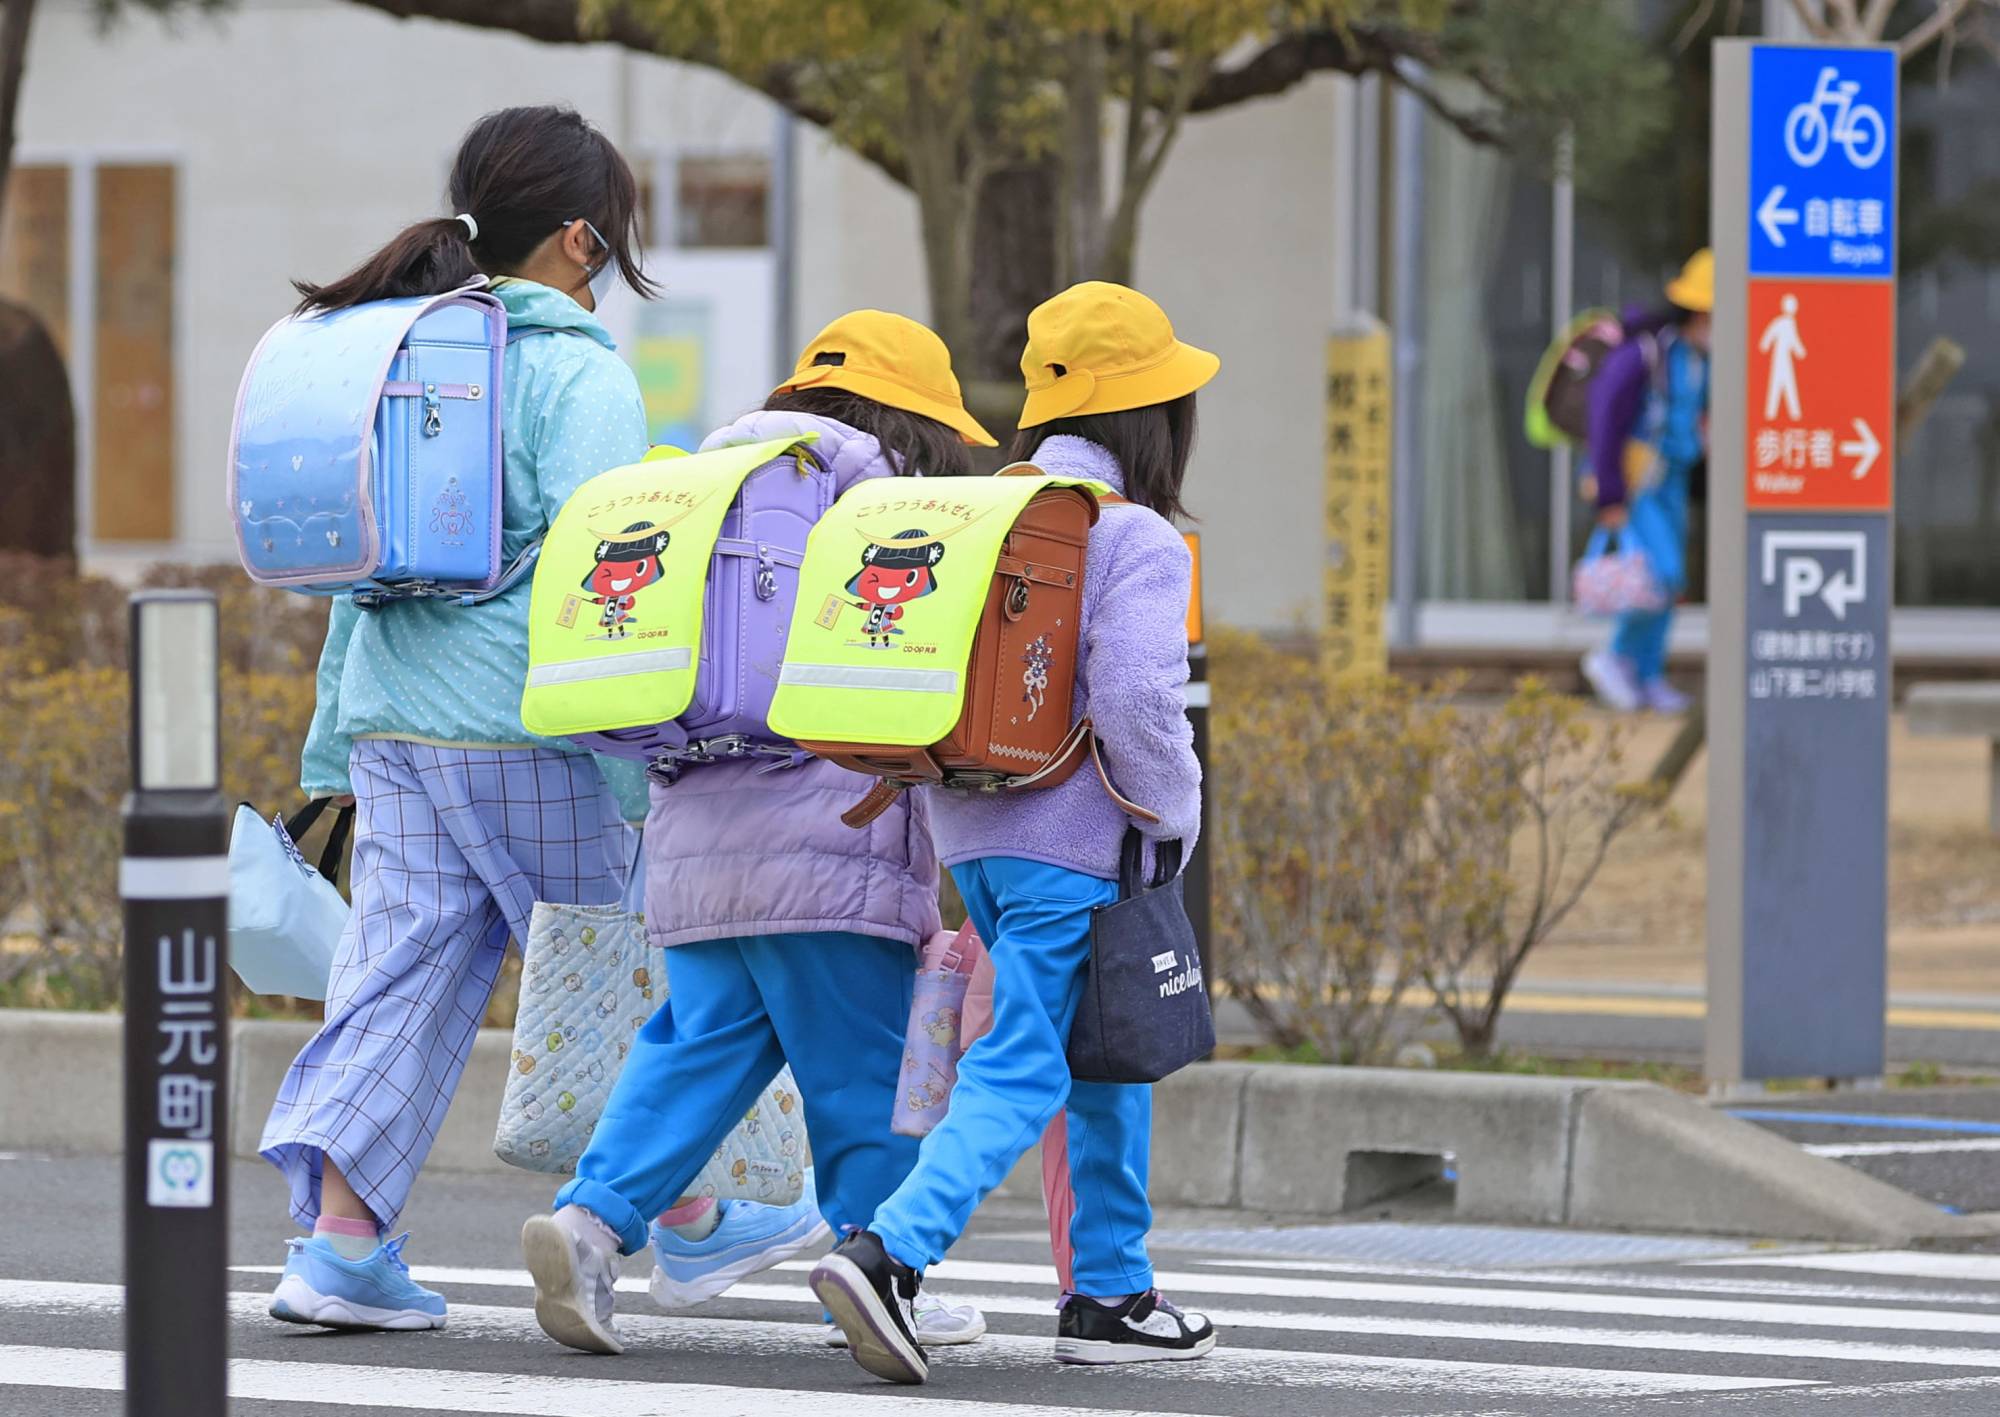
(1791, 1321)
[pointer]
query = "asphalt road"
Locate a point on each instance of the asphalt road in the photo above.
(1365, 1320)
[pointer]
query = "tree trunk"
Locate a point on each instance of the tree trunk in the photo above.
(1081, 242)
(15, 18)
(37, 440)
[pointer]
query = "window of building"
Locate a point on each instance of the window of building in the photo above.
(723, 200)
(116, 331)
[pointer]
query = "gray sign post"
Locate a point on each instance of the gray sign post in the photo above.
(175, 882)
(1800, 576)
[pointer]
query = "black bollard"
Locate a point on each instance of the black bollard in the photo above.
(175, 884)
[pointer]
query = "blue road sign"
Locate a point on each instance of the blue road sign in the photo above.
(1822, 161)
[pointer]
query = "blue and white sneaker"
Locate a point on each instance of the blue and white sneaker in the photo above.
(319, 1287)
(750, 1238)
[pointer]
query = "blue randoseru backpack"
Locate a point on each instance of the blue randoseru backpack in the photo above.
(365, 458)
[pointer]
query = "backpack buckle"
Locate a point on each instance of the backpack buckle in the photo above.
(767, 574)
(433, 412)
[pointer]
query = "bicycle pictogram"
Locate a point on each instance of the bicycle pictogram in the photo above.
(1857, 127)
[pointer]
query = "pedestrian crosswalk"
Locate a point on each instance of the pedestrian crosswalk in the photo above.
(1301, 1336)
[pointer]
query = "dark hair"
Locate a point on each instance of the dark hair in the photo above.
(520, 174)
(920, 444)
(1152, 444)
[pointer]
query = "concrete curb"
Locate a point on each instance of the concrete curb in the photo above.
(1289, 1140)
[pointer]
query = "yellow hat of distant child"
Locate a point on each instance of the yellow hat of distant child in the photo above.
(1103, 348)
(893, 360)
(1694, 288)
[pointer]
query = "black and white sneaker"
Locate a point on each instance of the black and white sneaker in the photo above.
(873, 1301)
(1143, 1329)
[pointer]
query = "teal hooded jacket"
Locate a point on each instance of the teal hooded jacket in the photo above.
(432, 671)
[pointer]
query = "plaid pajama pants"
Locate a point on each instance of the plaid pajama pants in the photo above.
(452, 848)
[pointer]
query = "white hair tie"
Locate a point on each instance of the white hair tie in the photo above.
(471, 226)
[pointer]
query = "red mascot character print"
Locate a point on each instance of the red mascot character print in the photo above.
(892, 573)
(625, 565)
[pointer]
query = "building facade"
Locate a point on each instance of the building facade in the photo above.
(174, 176)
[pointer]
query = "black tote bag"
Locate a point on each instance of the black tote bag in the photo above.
(1144, 1012)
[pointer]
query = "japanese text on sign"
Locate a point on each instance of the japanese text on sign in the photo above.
(1356, 577)
(1821, 396)
(1822, 162)
(180, 1155)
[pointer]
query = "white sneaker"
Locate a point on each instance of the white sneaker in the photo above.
(1616, 686)
(573, 1257)
(940, 1323)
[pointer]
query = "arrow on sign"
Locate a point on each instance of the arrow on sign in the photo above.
(1774, 217)
(1862, 448)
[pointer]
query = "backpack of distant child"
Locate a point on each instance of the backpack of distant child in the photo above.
(662, 601)
(365, 455)
(1558, 408)
(935, 636)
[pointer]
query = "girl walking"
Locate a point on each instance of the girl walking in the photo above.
(464, 819)
(792, 937)
(1111, 396)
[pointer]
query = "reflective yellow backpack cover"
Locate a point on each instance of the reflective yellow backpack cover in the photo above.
(615, 620)
(895, 580)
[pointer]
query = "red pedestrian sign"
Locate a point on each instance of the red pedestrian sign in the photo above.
(1821, 395)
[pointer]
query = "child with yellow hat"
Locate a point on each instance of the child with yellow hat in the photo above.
(1648, 430)
(791, 937)
(1111, 396)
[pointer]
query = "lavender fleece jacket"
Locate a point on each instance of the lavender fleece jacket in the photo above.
(738, 848)
(1131, 669)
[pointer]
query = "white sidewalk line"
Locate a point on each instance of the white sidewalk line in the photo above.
(1667, 1281)
(954, 1276)
(1229, 1364)
(456, 1390)
(1912, 1264)
(1903, 1148)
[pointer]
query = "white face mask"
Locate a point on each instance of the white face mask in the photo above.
(605, 276)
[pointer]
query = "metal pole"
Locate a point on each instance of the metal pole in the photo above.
(783, 218)
(1562, 283)
(1407, 278)
(1368, 191)
(175, 883)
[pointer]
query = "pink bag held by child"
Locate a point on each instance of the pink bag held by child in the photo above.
(933, 1046)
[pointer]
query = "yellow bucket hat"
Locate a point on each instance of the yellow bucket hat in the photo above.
(1103, 348)
(893, 360)
(1694, 288)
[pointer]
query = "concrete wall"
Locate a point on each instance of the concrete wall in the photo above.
(1267, 1138)
(306, 131)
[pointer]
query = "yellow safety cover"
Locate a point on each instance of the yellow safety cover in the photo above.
(895, 577)
(615, 619)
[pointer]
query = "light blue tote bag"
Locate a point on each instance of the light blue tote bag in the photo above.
(285, 918)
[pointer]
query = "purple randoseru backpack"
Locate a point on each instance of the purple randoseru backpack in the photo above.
(753, 582)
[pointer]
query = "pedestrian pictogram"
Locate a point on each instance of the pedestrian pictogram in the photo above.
(1780, 341)
(1821, 395)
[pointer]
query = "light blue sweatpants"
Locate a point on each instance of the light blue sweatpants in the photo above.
(1036, 920)
(1659, 526)
(835, 1006)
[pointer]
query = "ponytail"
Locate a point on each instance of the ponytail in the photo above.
(428, 258)
(519, 175)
